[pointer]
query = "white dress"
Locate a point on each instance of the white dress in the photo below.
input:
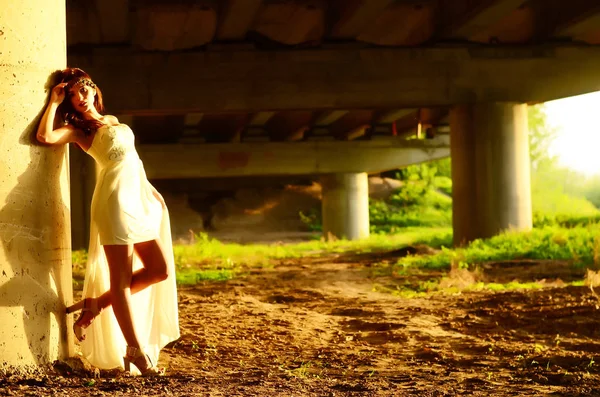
(124, 211)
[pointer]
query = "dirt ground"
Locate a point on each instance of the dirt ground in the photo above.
(330, 327)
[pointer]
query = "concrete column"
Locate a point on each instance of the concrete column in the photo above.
(35, 250)
(491, 181)
(82, 181)
(464, 176)
(345, 205)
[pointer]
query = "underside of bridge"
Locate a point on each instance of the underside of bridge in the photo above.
(330, 88)
(289, 87)
(309, 87)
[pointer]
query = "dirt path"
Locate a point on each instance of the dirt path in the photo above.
(319, 328)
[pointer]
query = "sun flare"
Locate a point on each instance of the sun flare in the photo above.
(577, 143)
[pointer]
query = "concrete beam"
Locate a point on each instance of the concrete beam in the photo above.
(237, 18)
(192, 119)
(482, 17)
(261, 118)
(393, 115)
(357, 17)
(329, 117)
(252, 81)
(223, 127)
(402, 24)
(114, 20)
(298, 158)
(291, 22)
(580, 26)
(353, 125)
(289, 126)
(175, 27)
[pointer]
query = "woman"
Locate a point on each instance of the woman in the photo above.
(130, 249)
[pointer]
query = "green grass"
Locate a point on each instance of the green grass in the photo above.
(432, 287)
(580, 245)
(229, 255)
(212, 260)
(416, 204)
(548, 197)
(194, 276)
(572, 238)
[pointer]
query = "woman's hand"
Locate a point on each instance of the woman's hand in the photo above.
(58, 93)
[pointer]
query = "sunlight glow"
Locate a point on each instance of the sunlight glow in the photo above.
(577, 144)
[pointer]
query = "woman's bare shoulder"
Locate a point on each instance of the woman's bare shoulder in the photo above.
(110, 119)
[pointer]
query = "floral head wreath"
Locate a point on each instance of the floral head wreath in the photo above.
(82, 81)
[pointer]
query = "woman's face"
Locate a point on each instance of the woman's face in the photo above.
(82, 97)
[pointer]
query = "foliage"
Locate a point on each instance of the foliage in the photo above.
(213, 260)
(541, 220)
(443, 184)
(312, 219)
(209, 259)
(541, 137)
(425, 171)
(423, 200)
(208, 251)
(588, 188)
(580, 245)
(557, 190)
(412, 205)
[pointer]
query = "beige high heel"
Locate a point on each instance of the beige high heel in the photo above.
(141, 361)
(89, 311)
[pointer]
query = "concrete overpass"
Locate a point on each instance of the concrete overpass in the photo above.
(238, 87)
(241, 72)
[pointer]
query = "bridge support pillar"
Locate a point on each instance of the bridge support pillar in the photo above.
(345, 205)
(35, 249)
(490, 170)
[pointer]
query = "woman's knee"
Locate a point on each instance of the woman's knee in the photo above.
(153, 258)
(159, 274)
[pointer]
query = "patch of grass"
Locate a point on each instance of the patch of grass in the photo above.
(511, 286)
(564, 220)
(415, 204)
(212, 260)
(208, 251)
(548, 197)
(79, 260)
(578, 245)
(432, 287)
(194, 276)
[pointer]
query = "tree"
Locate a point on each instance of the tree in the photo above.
(541, 137)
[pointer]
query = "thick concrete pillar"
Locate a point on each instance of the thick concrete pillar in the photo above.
(35, 250)
(82, 181)
(464, 176)
(345, 205)
(490, 170)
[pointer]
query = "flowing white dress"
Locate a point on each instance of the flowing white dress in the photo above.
(124, 211)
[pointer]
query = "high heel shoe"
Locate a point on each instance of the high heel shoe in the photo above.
(89, 311)
(141, 361)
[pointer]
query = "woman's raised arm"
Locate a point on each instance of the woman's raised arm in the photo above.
(46, 132)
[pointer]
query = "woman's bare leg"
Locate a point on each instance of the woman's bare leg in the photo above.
(154, 270)
(119, 259)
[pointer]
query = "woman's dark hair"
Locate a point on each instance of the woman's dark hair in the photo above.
(67, 113)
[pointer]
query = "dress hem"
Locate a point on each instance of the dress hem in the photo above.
(136, 241)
